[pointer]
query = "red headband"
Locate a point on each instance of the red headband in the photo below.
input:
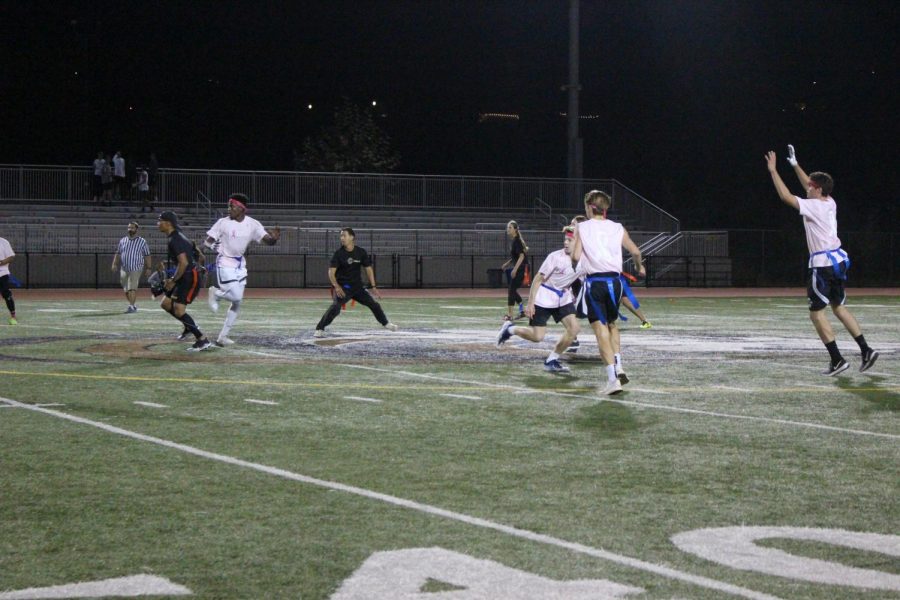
(238, 202)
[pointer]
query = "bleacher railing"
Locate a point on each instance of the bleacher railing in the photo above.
(178, 188)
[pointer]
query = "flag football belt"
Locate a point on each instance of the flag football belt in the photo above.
(626, 289)
(835, 263)
(553, 289)
(240, 260)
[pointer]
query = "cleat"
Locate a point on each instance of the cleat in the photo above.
(224, 341)
(554, 366)
(319, 333)
(130, 309)
(12, 321)
(183, 335)
(646, 325)
(839, 367)
(520, 316)
(573, 348)
(504, 333)
(612, 388)
(200, 346)
(212, 299)
(391, 327)
(868, 360)
(622, 377)
(507, 318)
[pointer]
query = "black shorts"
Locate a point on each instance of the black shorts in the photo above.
(542, 315)
(186, 288)
(601, 300)
(825, 287)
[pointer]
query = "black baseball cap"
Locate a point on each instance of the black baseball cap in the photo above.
(168, 215)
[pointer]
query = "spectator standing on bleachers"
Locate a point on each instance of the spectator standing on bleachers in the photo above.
(516, 273)
(106, 177)
(230, 236)
(97, 180)
(132, 258)
(345, 274)
(142, 183)
(6, 257)
(153, 172)
(119, 174)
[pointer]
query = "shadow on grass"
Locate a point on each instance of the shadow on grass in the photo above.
(607, 418)
(877, 391)
(566, 384)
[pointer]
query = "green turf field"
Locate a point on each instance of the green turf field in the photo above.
(428, 463)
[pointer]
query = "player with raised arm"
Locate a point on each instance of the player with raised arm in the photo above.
(550, 296)
(828, 262)
(229, 237)
(598, 250)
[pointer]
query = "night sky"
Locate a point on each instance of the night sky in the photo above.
(688, 95)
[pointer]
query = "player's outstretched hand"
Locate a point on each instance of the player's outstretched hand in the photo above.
(770, 159)
(275, 233)
(791, 157)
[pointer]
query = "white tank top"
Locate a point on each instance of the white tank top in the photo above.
(601, 246)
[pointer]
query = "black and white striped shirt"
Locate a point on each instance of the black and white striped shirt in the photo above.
(132, 251)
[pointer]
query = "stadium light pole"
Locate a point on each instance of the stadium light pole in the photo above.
(575, 162)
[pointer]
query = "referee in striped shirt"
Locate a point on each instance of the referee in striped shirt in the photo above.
(131, 258)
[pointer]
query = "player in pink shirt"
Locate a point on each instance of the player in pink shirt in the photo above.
(828, 263)
(549, 296)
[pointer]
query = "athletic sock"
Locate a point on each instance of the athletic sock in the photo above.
(617, 359)
(190, 325)
(834, 352)
(611, 372)
(230, 317)
(553, 356)
(863, 346)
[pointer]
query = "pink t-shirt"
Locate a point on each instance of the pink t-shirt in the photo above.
(556, 271)
(820, 223)
(233, 238)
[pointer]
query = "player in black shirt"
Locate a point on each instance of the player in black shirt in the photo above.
(181, 288)
(515, 267)
(345, 274)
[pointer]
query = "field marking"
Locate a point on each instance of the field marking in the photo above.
(654, 406)
(463, 396)
(134, 585)
(362, 399)
(150, 404)
(646, 391)
(266, 402)
(733, 388)
(525, 534)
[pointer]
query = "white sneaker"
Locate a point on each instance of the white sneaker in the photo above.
(224, 341)
(319, 333)
(213, 299)
(391, 327)
(612, 387)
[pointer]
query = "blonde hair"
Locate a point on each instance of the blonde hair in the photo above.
(518, 235)
(599, 201)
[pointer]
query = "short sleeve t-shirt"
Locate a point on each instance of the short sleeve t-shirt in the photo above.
(5, 252)
(517, 248)
(178, 244)
(349, 264)
(820, 223)
(234, 237)
(556, 272)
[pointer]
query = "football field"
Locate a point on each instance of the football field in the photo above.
(429, 463)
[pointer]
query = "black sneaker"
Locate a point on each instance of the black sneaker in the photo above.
(573, 348)
(183, 336)
(200, 345)
(868, 359)
(838, 367)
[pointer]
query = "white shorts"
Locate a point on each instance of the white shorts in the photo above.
(129, 280)
(231, 283)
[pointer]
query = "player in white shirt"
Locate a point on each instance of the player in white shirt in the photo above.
(6, 257)
(550, 296)
(828, 263)
(230, 236)
(598, 250)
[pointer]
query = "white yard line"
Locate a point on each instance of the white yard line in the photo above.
(266, 402)
(463, 396)
(646, 391)
(640, 404)
(733, 389)
(362, 399)
(417, 506)
(150, 404)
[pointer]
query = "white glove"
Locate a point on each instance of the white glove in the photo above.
(791, 157)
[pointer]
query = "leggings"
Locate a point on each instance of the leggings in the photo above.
(512, 296)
